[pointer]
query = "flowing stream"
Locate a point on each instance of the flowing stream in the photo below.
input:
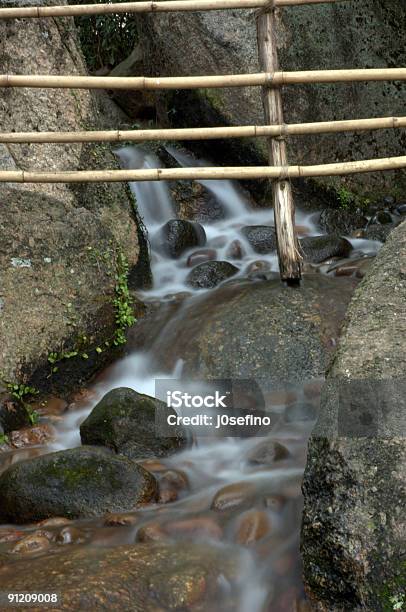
(262, 518)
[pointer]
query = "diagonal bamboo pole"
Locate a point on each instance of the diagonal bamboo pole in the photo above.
(206, 133)
(264, 79)
(211, 173)
(146, 7)
(284, 208)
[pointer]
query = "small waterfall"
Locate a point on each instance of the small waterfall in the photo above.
(227, 192)
(153, 198)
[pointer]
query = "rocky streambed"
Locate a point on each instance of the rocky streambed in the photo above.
(100, 509)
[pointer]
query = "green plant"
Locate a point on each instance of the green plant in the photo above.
(3, 438)
(122, 301)
(345, 197)
(20, 392)
(106, 40)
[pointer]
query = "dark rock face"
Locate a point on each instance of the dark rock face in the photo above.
(76, 483)
(13, 415)
(261, 238)
(378, 232)
(341, 222)
(130, 578)
(225, 42)
(354, 487)
(317, 249)
(178, 235)
(124, 421)
(259, 330)
(211, 273)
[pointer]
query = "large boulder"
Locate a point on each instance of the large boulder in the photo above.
(76, 483)
(256, 330)
(354, 526)
(125, 421)
(129, 578)
(317, 249)
(337, 35)
(178, 236)
(60, 244)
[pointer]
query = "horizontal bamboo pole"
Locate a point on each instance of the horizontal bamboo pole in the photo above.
(147, 7)
(195, 82)
(212, 173)
(206, 133)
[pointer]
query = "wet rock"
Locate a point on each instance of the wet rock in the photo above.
(341, 222)
(252, 526)
(124, 421)
(76, 483)
(389, 202)
(353, 533)
(153, 576)
(317, 249)
(262, 238)
(171, 484)
(196, 527)
(32, 436)
(152, 532)
(232, 496)
(10, 535)
(352, 267)
(382, 217)
(70, 535)
(266, 453)
(178, 235)
(235, 250)
(55, 521)
(119, 520)
(210, 274)
(32, 543)
(13, 415)
(259, 270)
(201, 256)
(378, 232)
(283, 334)
(299, 412)
(401, 209)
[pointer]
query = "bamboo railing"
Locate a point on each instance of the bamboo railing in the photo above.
(210, 173)
(209, 133)
(74, 10)
(270, 79)
(264, 79)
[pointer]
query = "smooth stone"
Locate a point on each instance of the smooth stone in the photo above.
(267, 453)
(200, 527)
(32, 436)
(235, 250)
(317, 249)
(210, 274)
(262, 238)
(76, 483)
(201, 256)
(114, 519)
(252, 526)
(70, 535)
(124, 421)
(152, 532)
(178, 236)
(32, 543)
(232, 496)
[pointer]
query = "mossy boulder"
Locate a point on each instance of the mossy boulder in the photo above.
(76, 483)
(125, 421)
(317, 249)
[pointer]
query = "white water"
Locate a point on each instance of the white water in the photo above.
(210, 463)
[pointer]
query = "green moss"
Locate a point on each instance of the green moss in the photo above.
(392, 596)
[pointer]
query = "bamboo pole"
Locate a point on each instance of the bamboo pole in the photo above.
(264, 79)
(283, 204)
(146, 7)
(206, 133)
(211, 173)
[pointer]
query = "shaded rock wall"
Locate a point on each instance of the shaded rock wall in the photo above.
(341, 35)
(59, 243)
(354, 527)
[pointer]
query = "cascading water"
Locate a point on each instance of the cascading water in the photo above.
(262, 520)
